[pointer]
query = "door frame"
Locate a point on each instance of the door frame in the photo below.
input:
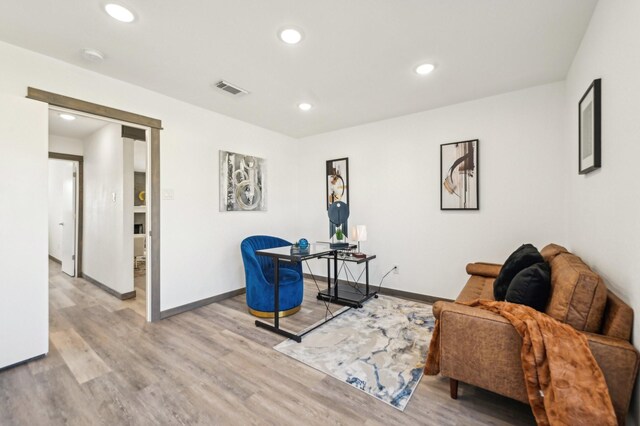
(79, 222)
(153, 165)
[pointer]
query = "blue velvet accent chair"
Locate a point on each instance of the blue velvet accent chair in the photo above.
(259, 275)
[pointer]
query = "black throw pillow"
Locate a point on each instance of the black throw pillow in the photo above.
(523, 257)
(531, 286)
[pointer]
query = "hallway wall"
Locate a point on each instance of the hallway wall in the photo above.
(108, 209)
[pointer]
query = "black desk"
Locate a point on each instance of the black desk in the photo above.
(346, 295)
(284, 254)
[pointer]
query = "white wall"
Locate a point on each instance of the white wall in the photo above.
(59, 171)
(394, 168)
(200, 247)
(108, 209)
(64, 145)
(139, 156)
(24, 308)
(603, 206)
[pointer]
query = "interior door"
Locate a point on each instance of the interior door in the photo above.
(69, 223)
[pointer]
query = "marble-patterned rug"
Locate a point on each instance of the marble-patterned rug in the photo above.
(380, 349)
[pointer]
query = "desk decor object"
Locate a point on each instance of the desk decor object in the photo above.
(242, 182)
(337, 181)
(358, 234)
(300, 247)
(338, 224)
(589, 129)
(459, 189)
(380, 349)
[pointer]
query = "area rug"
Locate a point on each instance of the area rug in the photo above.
(380, 349)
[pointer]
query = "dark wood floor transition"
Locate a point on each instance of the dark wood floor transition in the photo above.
(211, 366)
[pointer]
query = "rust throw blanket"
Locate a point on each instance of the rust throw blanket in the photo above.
(557, 363)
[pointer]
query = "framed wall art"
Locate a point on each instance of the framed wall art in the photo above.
(242, 182)
(459, 183)
(337, 181)
(589, 129)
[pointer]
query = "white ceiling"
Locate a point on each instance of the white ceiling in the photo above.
(79, 128)
(355, 63)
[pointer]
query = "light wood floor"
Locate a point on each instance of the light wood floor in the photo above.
(107, 365)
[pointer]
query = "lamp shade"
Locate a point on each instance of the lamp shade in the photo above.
(359, 233)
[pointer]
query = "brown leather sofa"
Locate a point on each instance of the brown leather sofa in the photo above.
(483, 349)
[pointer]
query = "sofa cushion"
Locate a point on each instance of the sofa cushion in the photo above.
(578, 295)
(477, 287)
(552, 250)
(617, 319)
(531, 286)
(525, 256)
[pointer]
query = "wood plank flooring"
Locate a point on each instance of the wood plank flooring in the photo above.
(212, 366)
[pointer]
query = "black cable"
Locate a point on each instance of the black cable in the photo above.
(385, 276)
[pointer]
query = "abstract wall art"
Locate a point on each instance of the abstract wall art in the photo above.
(337, 181)
(242, 182)
(589, 129)
(459, 189)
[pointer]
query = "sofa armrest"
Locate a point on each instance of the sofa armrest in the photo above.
(481, 348)
(489, 270)
(618, 360)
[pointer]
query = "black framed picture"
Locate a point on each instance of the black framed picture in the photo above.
(337, 181)
(589, 113)
(459, 182)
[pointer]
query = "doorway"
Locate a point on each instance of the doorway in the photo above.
(152, 127)
(109, 252)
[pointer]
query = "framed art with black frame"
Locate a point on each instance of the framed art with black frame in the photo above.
(459, 181)
(589, 114)
(337, 181)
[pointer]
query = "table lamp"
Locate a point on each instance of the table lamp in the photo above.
(359, 233)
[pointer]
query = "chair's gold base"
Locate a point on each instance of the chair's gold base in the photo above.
(262, 314)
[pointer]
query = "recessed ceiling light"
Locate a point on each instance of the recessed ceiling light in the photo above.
(305, 106)
(425, 69)
(92, 55)
(119, 12)
(290, 36)
(67, 117)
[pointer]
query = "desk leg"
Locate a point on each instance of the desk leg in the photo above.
(329, 277)
(276, 307)
(335, 273)
(276, 293)
(366, 271)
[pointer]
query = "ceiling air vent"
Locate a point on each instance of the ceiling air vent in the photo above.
(230, 88)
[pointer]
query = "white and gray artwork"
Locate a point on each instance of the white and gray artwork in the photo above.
(242, 182)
